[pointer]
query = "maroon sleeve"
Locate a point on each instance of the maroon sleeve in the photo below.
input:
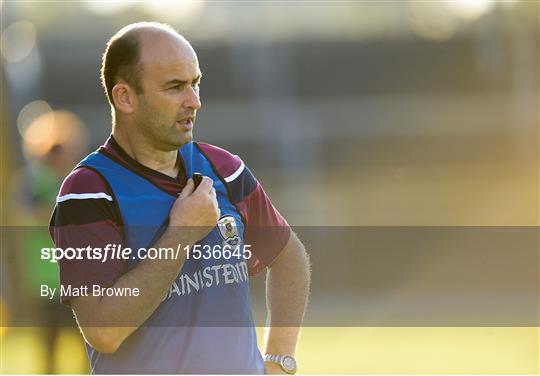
(86, 215)
(266, 230)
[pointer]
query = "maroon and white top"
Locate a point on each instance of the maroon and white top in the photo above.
(86, 214)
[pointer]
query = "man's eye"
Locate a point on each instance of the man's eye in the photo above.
(176, 87)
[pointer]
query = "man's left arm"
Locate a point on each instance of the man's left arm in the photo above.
(274, 247)
(287, 291)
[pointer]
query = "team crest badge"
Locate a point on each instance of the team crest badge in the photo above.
(229, 231)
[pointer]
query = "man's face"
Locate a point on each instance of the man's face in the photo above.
(166, 109)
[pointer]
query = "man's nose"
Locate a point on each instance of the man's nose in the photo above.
(193, 100)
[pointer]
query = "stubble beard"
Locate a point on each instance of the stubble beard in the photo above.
(160, 133)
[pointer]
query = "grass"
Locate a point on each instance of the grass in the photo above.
(419, 350)
(339, 350)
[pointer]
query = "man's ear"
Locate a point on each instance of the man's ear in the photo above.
(123, 97)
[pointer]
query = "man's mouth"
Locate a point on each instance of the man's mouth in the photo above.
(186, 124)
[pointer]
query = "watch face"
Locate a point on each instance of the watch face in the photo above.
(289, 363)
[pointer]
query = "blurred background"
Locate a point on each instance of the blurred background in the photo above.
(384, 115)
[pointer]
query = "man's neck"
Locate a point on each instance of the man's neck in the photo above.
(138, 148)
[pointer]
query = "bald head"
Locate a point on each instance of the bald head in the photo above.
(127, 49)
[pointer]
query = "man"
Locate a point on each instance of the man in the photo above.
(192, 314)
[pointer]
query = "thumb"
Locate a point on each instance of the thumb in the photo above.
(188, 189)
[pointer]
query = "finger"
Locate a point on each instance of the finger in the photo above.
(188, 189)
(206, 185)
(214, 197)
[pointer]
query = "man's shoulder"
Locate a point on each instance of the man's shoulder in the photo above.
(83, 180)
(85, 199)
(223, 160)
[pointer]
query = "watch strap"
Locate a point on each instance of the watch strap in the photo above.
(272, 358)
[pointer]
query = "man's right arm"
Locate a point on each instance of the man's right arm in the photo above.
(106, 321)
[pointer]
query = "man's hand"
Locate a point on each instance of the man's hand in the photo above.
(196, 210)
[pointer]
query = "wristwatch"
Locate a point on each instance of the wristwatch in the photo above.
(286, 362)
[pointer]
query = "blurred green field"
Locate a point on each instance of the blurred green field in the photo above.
(338, 350)
(419, 350)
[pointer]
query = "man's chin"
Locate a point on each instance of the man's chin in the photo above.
(177, 142)
(185, 138)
